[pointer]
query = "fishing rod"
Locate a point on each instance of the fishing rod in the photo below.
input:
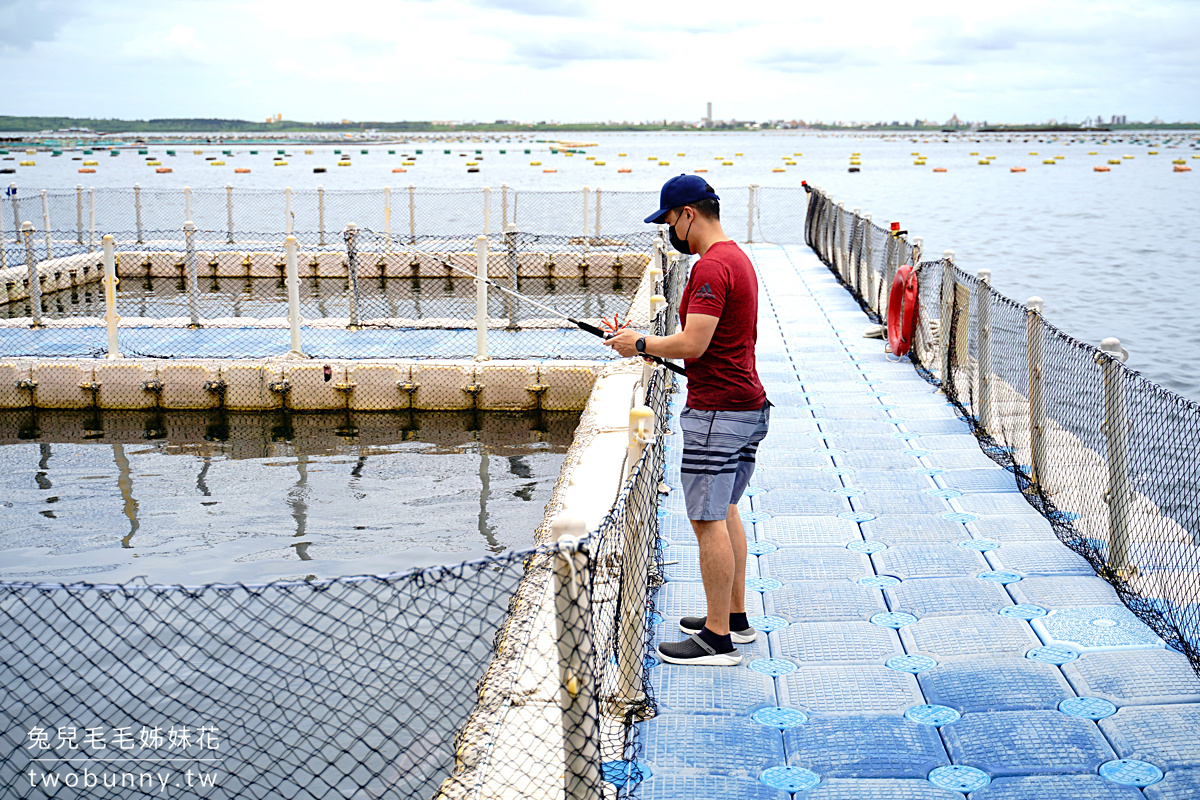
(583, 326)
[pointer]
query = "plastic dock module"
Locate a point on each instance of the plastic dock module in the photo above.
(927, 636)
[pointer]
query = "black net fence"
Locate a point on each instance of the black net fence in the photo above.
(189, 294)
(1108, 456)
(518, 675)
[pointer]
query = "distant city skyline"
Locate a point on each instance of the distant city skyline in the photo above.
(1020, 62)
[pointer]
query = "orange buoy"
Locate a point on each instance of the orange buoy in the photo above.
(699, 170)
(1016, 169)
(87, 170)
(399, 169)
(902, 310)
(1182, 169)
(163, 170)
(549, 170)
(939, 169)
(242, 170)
(624, 169)
(1101, 169)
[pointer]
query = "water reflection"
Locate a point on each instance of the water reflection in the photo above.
(213, 495)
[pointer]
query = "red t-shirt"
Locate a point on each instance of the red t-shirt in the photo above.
(725, 377)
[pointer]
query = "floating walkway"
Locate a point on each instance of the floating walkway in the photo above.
(923, 634)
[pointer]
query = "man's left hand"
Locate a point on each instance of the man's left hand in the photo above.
(625, 342)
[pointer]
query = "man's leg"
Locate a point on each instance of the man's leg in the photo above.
(737, 541)
(717, 569)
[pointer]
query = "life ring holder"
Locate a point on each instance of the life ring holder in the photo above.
(902, 311)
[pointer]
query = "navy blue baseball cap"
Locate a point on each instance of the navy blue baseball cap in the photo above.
(680, 191)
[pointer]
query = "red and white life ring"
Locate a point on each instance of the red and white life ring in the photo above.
(902, 310)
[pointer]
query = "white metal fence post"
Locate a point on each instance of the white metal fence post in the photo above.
(481, 297)
(1037, 393)
(750, 213)
(586, 202)
(137, 208)
(387, 218)
(46, 225)
(187, 204)
(111, 318)
(289, 217)
(16, 209)
(504, 206)
(91, 218)
(635, 573)
(229, 210)
(351, 236)
(321, 215)
(189, 238)
(35, 283)
(983, 345)
(79, 214)
(293, 288)
(513, 265)
(487, 210)
(945, 356)
(577, 681)
(1116, 431)
(412, 214)
(597, 228)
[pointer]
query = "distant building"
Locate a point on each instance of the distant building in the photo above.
(1118, 119)
(954, 122)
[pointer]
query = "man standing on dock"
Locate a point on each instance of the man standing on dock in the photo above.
(726, 415)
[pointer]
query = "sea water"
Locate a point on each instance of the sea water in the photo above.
(1111, 253)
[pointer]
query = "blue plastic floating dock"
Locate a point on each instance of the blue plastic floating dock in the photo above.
(927, 636)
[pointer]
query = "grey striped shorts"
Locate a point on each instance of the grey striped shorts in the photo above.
(718, 457)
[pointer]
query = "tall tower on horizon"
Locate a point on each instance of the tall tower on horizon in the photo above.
(708, 116)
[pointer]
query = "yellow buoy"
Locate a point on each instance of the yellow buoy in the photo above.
(591, 158)
(31, 152)
(1126, 156)
(1114, 161)
(1175, 161)
(620, 155)
(217, 163)
(469, 163)
(535, 163)
(1059, 158)
(1033, 152)
(652, 158)
(1049, 161)
(153, 163)
(664, 163)
(1092, 153)
(914, 154)
(920, 162)
(347, 163)
(984, 161)
(786, 158)
(408, 163)
(789, 163)
(727, 163)
(284, 163)
(778, 169)
(598, 163)
(308, 152)
(197, 152)
(974, 154)
(28, 163)
(1152, 153)
(797, 155)
(91, 163)
(737, 155)
(855, 161)
(681, 155)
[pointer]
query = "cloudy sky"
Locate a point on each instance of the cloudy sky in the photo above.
(568, 60)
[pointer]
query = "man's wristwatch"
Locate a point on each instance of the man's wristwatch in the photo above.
(640, 344)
